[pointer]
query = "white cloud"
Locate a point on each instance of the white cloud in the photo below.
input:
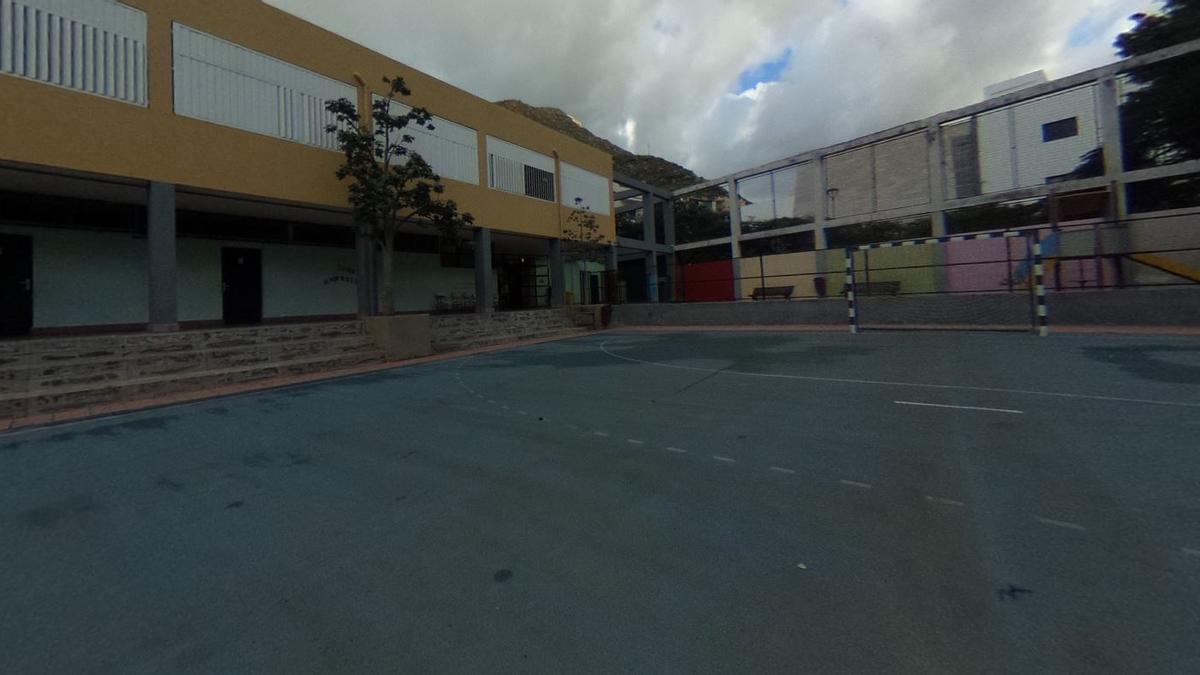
(658, 73)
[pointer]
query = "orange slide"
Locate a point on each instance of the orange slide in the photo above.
(1167, 265)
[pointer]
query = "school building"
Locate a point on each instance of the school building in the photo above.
(165, 164)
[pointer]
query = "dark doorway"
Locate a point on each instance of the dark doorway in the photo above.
(592, 285)
(241, 285)
(633, 277)
(523, 283)
(16, 285)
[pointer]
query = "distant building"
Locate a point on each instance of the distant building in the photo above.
(1015, 84)
(1026, 144)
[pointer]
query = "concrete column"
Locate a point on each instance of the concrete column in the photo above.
(671, 292)
(669, 222)
(735, 220)
(651, 276)
(363, 272)
(163, 262)
(937, 179)
(484, 283)
(1109, 104)
(611, 262)
(820, 202)
(558, 274)
(649, 234)
(612, 275)
(735, 236)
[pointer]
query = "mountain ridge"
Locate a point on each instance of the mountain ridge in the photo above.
(650, 169)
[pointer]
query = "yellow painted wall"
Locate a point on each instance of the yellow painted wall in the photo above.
(922, 278)
(787, 269)
(61, 128)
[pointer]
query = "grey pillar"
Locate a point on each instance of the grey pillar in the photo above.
(1109, 104)
(611, 262)
(937, 179)
(164, 266)
(735, 236)
(671, 292)
(612, 276)
(649, 234)
(651, 276)
(484, 283)
(363, 271)
(820, 203)
(558, 274)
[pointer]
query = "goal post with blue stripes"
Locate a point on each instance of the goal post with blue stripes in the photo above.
(993, 281)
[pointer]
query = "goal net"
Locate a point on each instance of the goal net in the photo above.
(982, 282)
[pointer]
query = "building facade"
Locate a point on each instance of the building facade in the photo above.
(165, 162)
(1037, 155)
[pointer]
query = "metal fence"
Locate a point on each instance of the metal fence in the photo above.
(986, 279)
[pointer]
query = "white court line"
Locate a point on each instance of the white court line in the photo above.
(780, 469)
(856, 484)
(727, 460)
(1062, 523)
(678, 451)
(915, 385)
(960, 407)
(944, 501)
(634, 441)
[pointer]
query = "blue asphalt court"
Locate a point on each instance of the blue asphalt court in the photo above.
(631, 502)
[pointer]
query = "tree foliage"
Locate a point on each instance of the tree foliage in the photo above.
(702, 215)
(390, 184)
(1159, 114)
(582, 240)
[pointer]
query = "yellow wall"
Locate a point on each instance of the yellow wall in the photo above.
(787, 269)
(799, 270)
(921, 277)
(55, 127)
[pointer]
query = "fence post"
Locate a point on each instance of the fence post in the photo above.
(850, 299)
(1039, 288)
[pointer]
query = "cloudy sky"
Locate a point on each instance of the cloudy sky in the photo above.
(720, 85)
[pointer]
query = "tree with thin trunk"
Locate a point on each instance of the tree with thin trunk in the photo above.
(582, 241)
(391, 185)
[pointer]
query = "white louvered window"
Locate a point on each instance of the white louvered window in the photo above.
(591, 189)
(450, 148)
(512, 168)
(221, 82)
(94, 46)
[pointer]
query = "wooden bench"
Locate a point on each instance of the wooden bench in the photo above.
(878, 288)
(784, 292)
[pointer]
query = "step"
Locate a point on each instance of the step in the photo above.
(45, 374)
(66, 398)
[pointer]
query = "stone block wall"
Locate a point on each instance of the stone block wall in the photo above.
(467, 331)
(41, 375)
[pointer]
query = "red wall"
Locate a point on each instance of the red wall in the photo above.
(706, 282)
